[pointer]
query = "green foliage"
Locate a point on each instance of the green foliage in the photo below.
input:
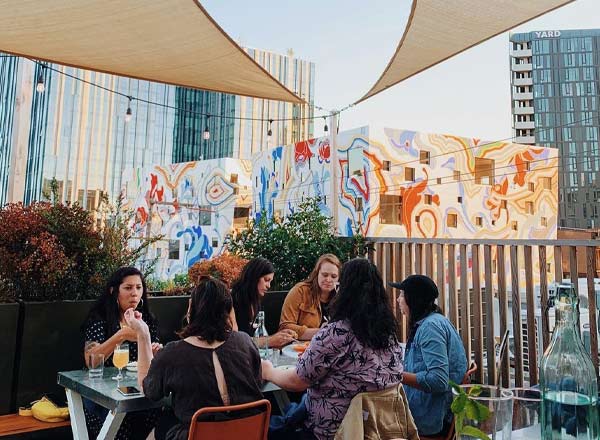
(295, 243)
(464, 407)
(52, 251)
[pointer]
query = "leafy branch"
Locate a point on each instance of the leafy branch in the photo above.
(464, 407)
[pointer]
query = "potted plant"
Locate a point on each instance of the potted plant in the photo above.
(226, 267)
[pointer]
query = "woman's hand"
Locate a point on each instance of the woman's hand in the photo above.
(155, 347)
(127, 334)
(281, 338)
(135, 322)
(267, 369)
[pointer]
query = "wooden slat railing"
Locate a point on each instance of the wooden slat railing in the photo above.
(472, 277)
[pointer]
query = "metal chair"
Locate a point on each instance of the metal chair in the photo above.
(249, 427)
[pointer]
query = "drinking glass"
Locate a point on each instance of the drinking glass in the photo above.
(499, 401)
(96, 365)
(120, 359)
(526, 413)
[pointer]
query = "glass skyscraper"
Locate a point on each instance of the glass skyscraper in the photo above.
(555, 91)
(77, 133)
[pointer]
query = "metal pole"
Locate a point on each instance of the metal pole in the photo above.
(333, 121)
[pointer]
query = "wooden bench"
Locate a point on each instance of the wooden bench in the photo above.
(15, 425)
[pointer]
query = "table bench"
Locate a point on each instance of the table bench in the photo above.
(15, 425)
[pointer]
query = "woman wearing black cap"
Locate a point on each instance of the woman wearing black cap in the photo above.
(434, 355)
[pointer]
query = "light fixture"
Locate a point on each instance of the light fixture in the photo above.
(270, 132)
(40, 86)
(128, 113)
(206, 134)
(326, 128)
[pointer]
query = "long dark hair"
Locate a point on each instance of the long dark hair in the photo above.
(420, 293)
(363, 301)
(245, 289)
(210, 307)
(106, 307)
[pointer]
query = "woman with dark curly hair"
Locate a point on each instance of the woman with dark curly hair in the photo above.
(247, 292)
(104, 329)
(357, 351)
(211, 366)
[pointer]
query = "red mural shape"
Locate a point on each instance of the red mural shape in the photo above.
(302, 151)
(497, 194)
(324, 152)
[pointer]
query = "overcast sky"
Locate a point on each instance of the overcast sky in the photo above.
(351, 42)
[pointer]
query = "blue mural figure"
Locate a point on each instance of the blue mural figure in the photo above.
(200, 247)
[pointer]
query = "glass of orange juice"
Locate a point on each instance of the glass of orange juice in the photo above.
(120, 359)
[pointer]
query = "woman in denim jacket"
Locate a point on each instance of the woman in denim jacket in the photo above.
(434, 355)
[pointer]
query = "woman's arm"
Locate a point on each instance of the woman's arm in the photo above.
(432, 343)
(290, 312)
(410, 379)
(134, 320)
(286, 379)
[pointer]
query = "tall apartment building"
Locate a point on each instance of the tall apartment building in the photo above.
(555, 91)
(77, 133)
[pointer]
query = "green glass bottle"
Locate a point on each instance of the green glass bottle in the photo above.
(568, 378)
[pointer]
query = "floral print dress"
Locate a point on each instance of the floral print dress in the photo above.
(338, 367)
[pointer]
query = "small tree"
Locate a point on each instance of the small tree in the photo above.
(295, 243)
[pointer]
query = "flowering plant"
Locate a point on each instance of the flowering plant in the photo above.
(226, 267)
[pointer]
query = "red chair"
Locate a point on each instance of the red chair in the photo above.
(252, 427)
(451, 432)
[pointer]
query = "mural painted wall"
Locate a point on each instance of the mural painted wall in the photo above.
(401, 183)
(194, 205)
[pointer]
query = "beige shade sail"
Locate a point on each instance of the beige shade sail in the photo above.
(168, 41)
(439, 29)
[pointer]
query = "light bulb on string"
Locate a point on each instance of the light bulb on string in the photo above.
(326, 128)
(206, 134)
(270, 132)
(128, 113)
(40, 86)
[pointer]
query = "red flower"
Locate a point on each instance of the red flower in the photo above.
(302, 152)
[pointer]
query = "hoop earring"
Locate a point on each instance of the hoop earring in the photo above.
(141, 304)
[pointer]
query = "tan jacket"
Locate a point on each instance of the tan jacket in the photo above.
(298, 312)
(378, 415)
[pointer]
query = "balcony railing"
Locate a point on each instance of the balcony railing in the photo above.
(502, 284)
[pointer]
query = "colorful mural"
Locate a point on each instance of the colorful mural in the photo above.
(192, 205)
(400, 183)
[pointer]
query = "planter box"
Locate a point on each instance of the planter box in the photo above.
(9, 320)
(51, 341)
(170, 311)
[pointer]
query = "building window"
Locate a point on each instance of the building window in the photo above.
(386, 165)
(424, 157)
(452, 220)
(204, 217)
(548, 267)
(233, 178)
(531, 186)
(428, 199)
(390, 209)
(359, 204)
(514, 225)
(240, 217)
(479, 221)
(215, 242)
(173, 249)
(484, 171)
(544, 221)
(409, 174)
(493, 222)
(503, 204)
(459, 199)
(439, 180)
(417, 218)
(546, 182)
(529, 207)
(456, 175)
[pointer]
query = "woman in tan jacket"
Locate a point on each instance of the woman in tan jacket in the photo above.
(306, 306)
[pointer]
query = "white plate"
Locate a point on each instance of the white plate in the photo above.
(285, 367)
(289, 351)
(132, 366)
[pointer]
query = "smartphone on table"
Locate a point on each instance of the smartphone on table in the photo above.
(129, 391)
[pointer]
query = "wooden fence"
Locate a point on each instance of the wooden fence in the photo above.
(472, 276)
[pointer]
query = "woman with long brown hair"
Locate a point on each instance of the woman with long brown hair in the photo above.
(306, 306)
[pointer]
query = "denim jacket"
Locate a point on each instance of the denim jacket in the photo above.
(435, 355)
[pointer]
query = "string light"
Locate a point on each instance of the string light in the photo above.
(206, 134)
(270, 132)
(326, 128)
(128, 113)
(40, 87)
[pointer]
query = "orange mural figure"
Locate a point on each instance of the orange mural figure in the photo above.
(521, 161)
(497, 194)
